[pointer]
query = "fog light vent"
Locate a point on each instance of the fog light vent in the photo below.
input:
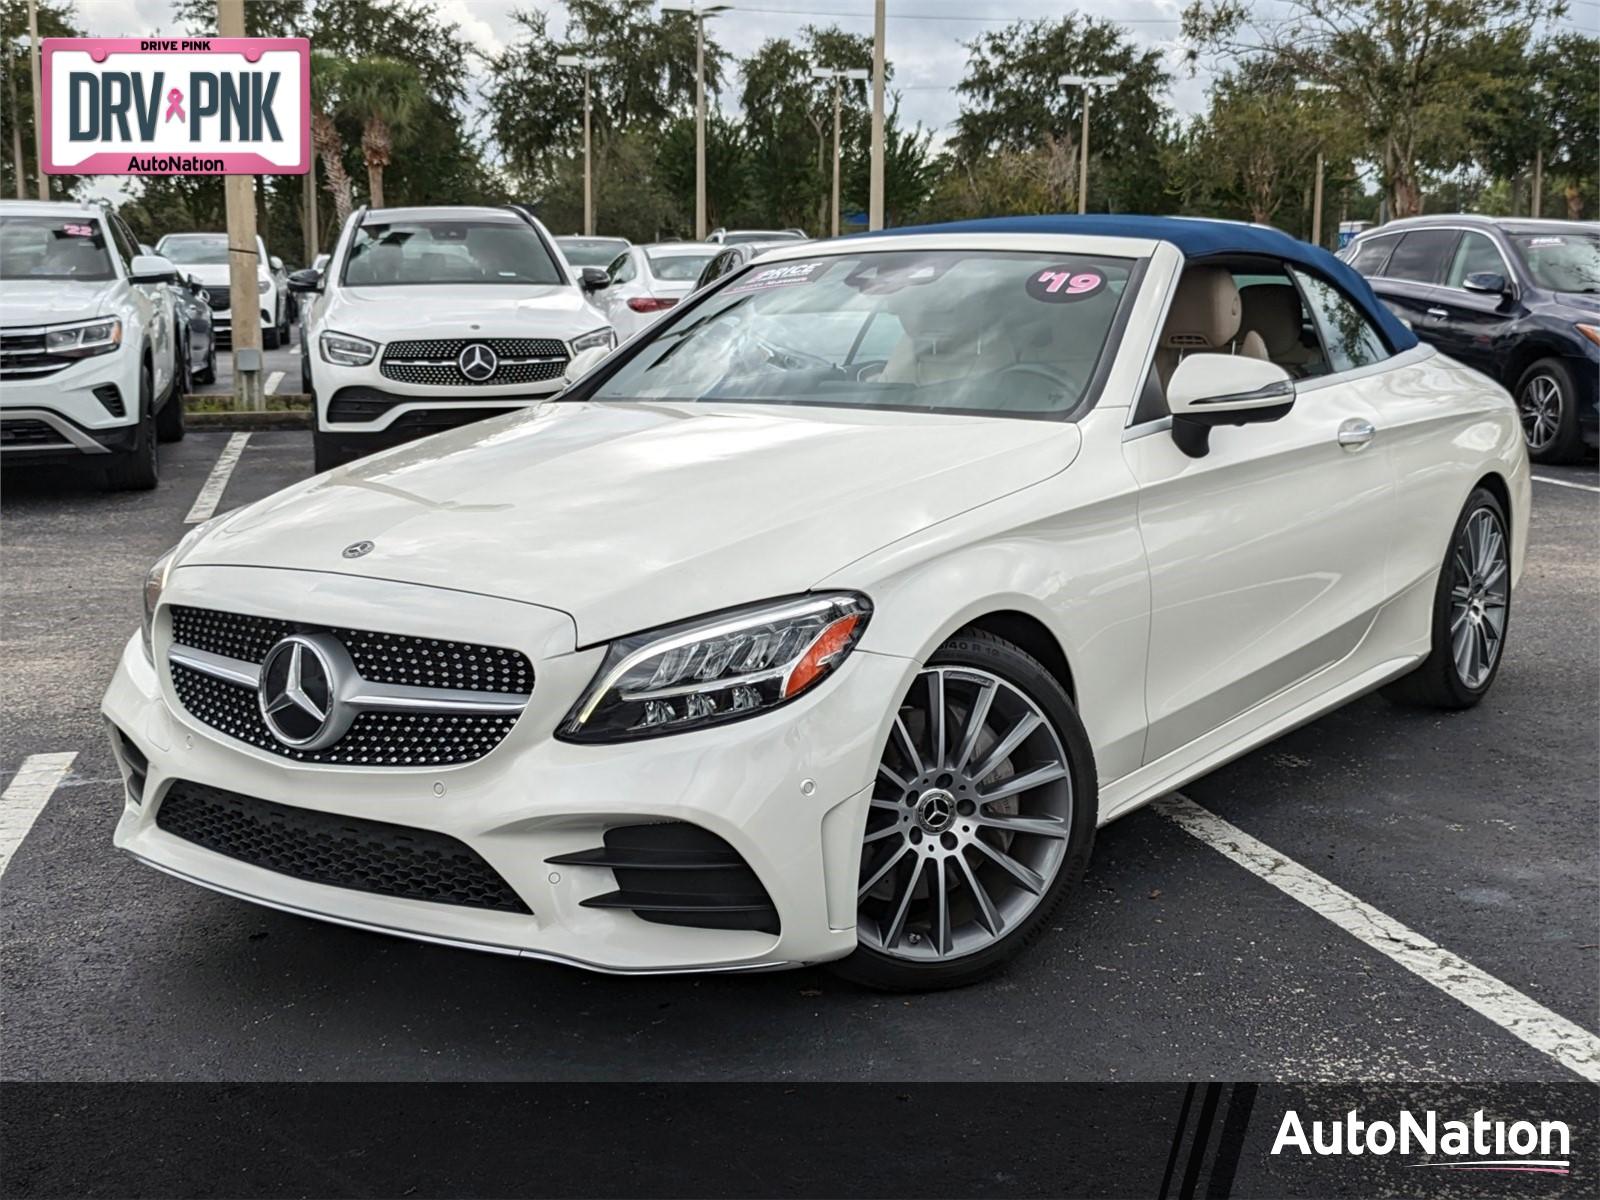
(111, 399)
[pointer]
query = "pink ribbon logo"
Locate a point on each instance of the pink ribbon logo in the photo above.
(175, 105)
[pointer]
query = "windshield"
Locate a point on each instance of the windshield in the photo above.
(47, 247)
(591, 252)
(680, 267)
(762, 235)
(195, 249)
(396, 253)
(1562, 262)
(995, 333)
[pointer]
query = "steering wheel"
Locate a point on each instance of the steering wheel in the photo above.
(865, 372)
(1055, 379)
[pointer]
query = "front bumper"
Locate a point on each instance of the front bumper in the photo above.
(58, 417)
(362, 400)
(787, 790)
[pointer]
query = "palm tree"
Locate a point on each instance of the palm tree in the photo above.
(384, 95)
(327, 76)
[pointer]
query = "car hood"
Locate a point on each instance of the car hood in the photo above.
(488, 310)
(627, 516)
(54, 301)
(1582, 304)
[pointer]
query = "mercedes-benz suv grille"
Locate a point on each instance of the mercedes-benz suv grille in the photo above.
(411, 701)
(434, 363)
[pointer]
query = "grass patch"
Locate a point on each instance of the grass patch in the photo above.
(227, 404)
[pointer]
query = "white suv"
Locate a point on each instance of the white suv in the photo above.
(88, 338)
(203, 257)
(428, 318)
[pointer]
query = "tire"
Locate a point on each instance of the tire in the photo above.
(1547, 403)
(169, 420)
(138, 470)
(927, 808)
(208, 373)
(326, 453)
(269, 337)
(285, 334)
(1442, 681)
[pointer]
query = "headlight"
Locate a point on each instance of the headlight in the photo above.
(154, 584)
(345, 351)
(1592, 332)
(717, 668)
(605, 338)
(263, 286)
(100, 336)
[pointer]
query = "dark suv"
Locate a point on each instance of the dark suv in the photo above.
(1517, 299)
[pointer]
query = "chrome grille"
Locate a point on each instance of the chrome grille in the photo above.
(447, 374)
(449, 348)
(23, 355)
(434, 702)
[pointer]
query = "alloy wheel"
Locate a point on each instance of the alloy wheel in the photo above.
(969, 820)
(1539, 406)
(1480, 590)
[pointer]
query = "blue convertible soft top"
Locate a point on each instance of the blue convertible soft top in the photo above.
(1200, 239)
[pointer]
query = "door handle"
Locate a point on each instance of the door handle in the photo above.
(1355, 433)
(1438, 312)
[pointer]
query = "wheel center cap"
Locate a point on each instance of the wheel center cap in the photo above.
(936, 810)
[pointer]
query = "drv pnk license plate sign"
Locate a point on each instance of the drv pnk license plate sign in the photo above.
(177, 106)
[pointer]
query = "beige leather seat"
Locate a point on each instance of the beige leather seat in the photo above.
(1272, 311)
(944, 344)
(1204, 319)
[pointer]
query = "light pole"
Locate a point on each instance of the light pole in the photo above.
(699, 12)
(38, 101)
(587, 64)
(875, 168)
(838, 78)
(1088, 83)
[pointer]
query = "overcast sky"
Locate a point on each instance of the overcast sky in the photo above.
(924, 39)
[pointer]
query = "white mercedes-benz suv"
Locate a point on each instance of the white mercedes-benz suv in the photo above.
(832, 613)
(428, 318)
(88, 343)
(203, 257)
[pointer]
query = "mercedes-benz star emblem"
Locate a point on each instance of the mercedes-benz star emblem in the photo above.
(357, 549)
(299, 691)
(477, 362)
(936, 811)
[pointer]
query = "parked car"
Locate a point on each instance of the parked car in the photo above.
(645, 281)
(729, 260)
(1517, 299)
(195, 336)
(828, 617)
(88, 342)
(732, 237)
(204, 257)
(591, 251)
(427, 318)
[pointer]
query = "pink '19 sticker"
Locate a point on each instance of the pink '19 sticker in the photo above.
(1056, 284)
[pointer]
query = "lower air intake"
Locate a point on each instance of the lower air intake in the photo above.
(674, 873)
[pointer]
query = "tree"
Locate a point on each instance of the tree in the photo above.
(727, 171)
(327, 77)
(381, 93)
(1011, 100)
(1568, 67)
(1405, 70)
(55, 20)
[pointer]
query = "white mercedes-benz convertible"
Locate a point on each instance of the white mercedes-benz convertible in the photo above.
(827, 619)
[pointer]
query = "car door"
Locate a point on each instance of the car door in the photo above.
(1413, 275)
(1266, 555)
(160, 313)
(1476, 323)
(624, 273)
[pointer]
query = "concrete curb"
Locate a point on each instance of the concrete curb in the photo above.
(241, 420)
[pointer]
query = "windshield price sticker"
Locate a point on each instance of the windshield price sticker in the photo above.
(1056, 285)
(782, 275)
(87, 231)
(1547, 241)
(176, 106)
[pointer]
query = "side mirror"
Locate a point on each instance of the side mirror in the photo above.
(583, 361)
(152, 268)
(1490, 282)
(592, 279)
(1208, 390)
(307, 279)
(277, 263)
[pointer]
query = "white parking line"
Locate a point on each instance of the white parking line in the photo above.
(273, 381)
(1582, 487)
(1523, 1017)
(211, 491)
(25, 796)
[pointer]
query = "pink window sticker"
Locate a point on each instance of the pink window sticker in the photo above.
(78, 230)
(1056, 285)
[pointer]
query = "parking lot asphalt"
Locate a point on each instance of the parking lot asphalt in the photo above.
(280, 369)
(1477, 830)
